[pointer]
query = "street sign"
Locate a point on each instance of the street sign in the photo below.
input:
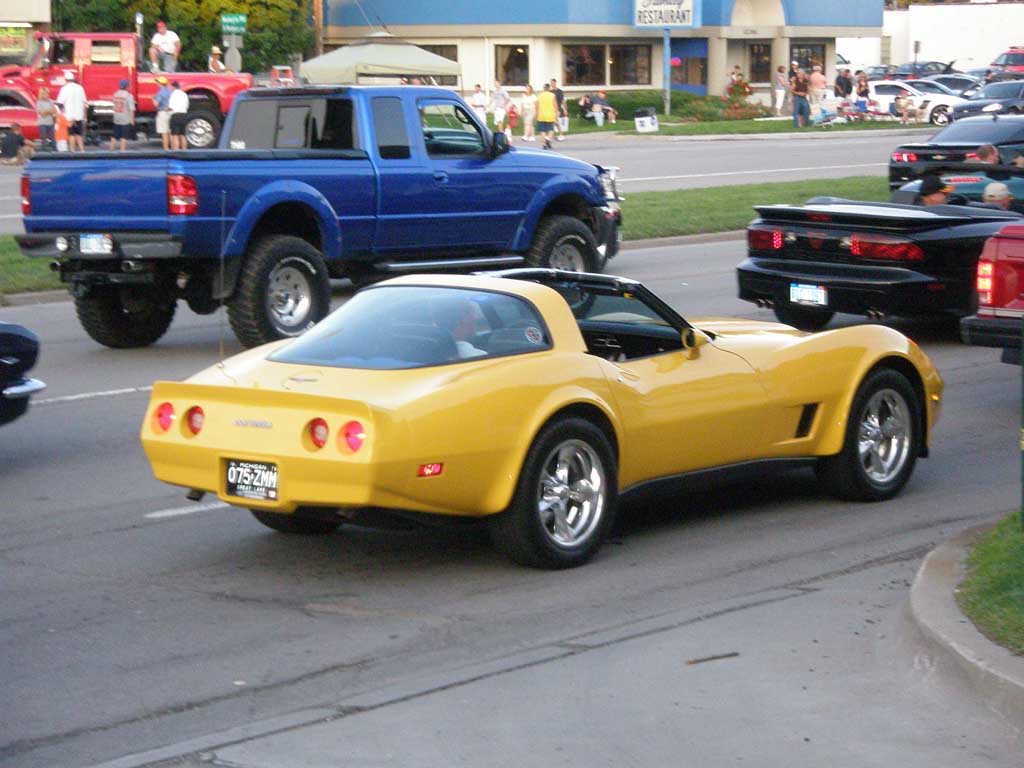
(233, 23)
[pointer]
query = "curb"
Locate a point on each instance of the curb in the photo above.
(37, 297)
(822, 134)
(995, 674)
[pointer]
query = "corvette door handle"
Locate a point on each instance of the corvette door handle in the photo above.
(440, 177)
(625, 376)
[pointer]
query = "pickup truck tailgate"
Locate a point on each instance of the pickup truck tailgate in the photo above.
(130, 194)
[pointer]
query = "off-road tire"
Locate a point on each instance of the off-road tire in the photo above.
(521, 531)
(560, 240)
(844, 474)
(251, 310)
(124, 317)
(802, 318)
(303, 521)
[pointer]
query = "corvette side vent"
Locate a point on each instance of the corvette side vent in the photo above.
(803, 429)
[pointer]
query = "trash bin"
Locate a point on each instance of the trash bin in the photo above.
(646, 120)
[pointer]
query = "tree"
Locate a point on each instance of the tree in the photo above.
(277, 30)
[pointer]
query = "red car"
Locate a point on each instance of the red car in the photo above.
(1010, 60)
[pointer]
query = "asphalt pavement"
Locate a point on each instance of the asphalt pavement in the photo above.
(758, 623)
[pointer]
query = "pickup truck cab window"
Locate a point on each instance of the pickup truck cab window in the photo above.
(293, 124)
(389, 124)
(449, 130)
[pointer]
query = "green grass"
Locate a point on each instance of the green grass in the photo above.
(770, 126)
(19, 273)
(720, 209)
(992, 595)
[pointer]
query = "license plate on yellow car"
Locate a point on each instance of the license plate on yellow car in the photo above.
(800, 293)
(251, 480)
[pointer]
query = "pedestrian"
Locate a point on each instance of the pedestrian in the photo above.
(73, 102)
(863, 90)
(794, 67)
(781, 87)
(61, 131)
(162, 102)
(214, 63)
(478, 101)
(599, 105)
(529, 114)
(179, 116)
(736, 76)
(164, 49)
(124, 116)
(818, 85)
(499, 106)
(562, 115)
(801, 107)
(14, 149)
(988, 154)
(933, 191)
(547, 113)
(998, 194)
(46, 114)
(844, 84)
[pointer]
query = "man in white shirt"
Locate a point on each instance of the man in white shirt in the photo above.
(166, 45)
(73, 103)
(178, 105)
(478, 101)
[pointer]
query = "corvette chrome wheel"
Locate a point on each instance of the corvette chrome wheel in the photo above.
(571, 493)
(885, 436)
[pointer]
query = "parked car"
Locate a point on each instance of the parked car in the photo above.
(879, 71)
(830, 255)
(308, 183)
(1000, 313)
(589, 385)
(961, 85)
(100, 60)
(922, 69)
(1005, 97)
(1010, 60)
(935, 107)
(957, 142)
(19, 350)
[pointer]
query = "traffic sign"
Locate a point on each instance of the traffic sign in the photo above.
(233, 23)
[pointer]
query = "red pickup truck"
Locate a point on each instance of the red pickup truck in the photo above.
(100, 61)
(1000, 285)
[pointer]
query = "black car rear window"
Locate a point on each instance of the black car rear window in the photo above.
(1009, 90)
(982, 130)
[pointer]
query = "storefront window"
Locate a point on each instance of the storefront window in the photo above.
(584, 64)
(809, 54)
(630, 64)
(692, 70)
(512, 64)
(760, 62)
(448, 52)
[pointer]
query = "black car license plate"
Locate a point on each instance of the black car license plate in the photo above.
(252, 480)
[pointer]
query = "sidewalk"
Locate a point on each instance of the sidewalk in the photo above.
(991, 672)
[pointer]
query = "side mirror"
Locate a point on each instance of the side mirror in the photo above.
(693, 340)
(500, 144)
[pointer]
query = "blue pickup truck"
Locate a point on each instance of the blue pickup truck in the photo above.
(307, 183)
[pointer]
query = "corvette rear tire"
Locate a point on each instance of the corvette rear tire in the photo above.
(283, 290)
(562, 242)
(124, 317)
(564, 503)
(882, 442)
(803, 318)
(306, 521)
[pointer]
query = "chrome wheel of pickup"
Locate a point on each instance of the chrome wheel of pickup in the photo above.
(568, 254)
(289, 297)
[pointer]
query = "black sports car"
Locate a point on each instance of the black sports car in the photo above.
(1004, 97)
(831, 255)
(19, 349)
(957, 142)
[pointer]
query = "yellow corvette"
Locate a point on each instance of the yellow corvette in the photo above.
(534, 398)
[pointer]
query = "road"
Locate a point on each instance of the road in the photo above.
(665, 163)
(133, 620)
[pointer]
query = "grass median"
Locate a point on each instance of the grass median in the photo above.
(992, 595)
(645, 215)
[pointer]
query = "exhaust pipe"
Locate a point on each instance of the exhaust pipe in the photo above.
(130, 265)
(764, 303)
(875, 314)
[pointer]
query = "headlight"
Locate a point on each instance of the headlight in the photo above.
(608, 185)
(992, 107)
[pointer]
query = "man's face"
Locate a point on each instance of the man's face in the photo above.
(161, 27)
(935, 198)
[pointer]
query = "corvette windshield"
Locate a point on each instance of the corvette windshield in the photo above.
(408, 326)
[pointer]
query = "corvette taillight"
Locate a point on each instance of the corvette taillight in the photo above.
(353, 434)
(182, 195)
(163, 416)
(764, 239)
(26, 195)
(194, 418)
(885, 248)
(986, 270)
(319, 432)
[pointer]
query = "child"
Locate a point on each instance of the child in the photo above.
(60, 131)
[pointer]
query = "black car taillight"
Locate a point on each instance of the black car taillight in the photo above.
(884, 248)
(764, 239)
(904, 157)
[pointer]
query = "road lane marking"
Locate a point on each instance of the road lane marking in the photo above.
(10, 215)
(192, 509)
(91, 395)
(752, 172)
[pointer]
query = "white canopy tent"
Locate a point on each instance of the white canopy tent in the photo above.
(377, 56)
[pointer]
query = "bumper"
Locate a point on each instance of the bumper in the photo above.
(125, 245)
(23, 389)
(858, 290)
(607, 228)
(1002, 332)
